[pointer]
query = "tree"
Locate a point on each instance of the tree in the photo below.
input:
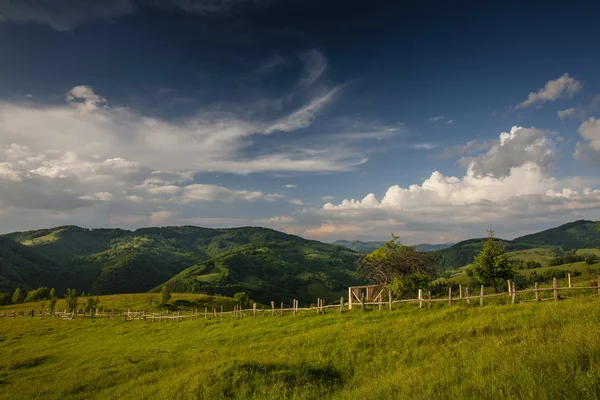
(397, 267)
(492, 263)
(52, 300)
(17, 296)
(92, 303)
(71, 299)
(165, 295)
(242, 298)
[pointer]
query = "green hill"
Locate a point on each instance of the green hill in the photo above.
(274, 271)
(105, 261)
(574, 235)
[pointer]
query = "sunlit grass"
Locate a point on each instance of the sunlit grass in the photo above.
(547, 350)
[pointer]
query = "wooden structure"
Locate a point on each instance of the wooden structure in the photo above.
(362, 294)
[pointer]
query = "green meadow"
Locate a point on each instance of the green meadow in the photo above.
(546, 350)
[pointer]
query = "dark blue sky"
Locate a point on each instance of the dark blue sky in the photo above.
(339, 99)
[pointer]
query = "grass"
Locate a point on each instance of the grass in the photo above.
(139, 301)
(546, 350)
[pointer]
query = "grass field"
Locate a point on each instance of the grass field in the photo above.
(139, 301)
(547, 350)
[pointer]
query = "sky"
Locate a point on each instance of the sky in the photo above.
(329, 120)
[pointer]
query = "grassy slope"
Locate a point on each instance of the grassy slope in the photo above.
(536, 350)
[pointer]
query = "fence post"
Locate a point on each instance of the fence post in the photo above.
(569, 276)
(282, 308)
(450, 296)
(318, 305)
(429, 299)
(380, 300)
(537, 291)
(254, 309)
(509, 288)
(205, 312)
(362, 301)
(514, 292)
(221, 316)
(341, 305)
(460, 291)
(555, 286)
(420, 298)
(179, 316)
(390, 295)
(273, 308)
(467, 296)
(481, 296)
(350, 295)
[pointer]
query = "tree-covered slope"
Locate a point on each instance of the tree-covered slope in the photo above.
(274, 271)
(106, 261)
(574, 235)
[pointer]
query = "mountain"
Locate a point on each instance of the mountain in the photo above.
(274, 271)
(367, 247)
(105, 261)
(573, 235)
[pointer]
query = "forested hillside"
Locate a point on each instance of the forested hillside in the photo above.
(107, 261)
(274, 271)
(367, 247)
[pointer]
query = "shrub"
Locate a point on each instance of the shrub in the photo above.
(165, 295)
(590, 259)
(42, 293)
(71, 299)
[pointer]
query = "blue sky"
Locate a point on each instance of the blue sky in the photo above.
(331, 121)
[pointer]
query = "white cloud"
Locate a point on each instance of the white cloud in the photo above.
(304, 116)
(590, 132)
(568, 113)
(563, 87)
(297, 202)
(315, 65)
(289, 186)
(437, 118)
(509, 190)
(425, 146)
(282, 219)
(327, 198)
(449, 122)
(514, 149)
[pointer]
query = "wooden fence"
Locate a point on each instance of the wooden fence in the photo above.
(320, 308)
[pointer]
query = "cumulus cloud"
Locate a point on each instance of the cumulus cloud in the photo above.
(590, 148)
(562, 87)
(514, 149)
(504, 189)
(296, 202)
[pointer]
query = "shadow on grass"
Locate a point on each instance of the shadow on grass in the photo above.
(253, 380)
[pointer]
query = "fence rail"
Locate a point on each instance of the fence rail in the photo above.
(239, 312)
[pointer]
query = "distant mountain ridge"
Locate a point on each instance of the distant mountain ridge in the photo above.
(268, 264)
(368, 246)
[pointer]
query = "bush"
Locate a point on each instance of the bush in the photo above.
(590, 259)
(165, 295)
(4, 299)
(243, 299)
(42, 293)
